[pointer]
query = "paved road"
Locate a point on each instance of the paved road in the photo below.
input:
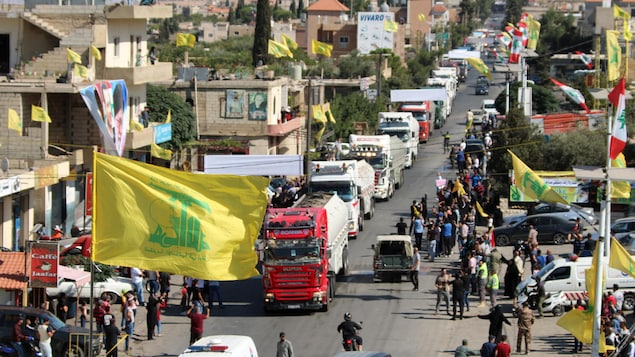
(396, 319)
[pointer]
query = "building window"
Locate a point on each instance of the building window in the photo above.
(326, 37)
(344, 40)
(116, 42)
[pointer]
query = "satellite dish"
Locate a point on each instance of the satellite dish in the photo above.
(5, 166)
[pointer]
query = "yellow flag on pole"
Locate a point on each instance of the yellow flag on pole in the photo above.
(168, 119)
(136, 125)
(620, 189)
(39, 114)
(458, 187)
(160, 153)
(421, 17)
(185, 39)
(613, 54)
(390, 26)
(318, 114)
(321, 48)
(278, 49)
(326, 108)
(94, 51)
(80, 71)
(620, 259)
(619, 12)
(72, 56)
(15, 121)
(288, 41)
(480, 210)
(203, 226)
(531, 184)
(534, 33)
(480, 66)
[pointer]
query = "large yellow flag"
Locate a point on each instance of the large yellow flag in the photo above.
(579, 323)
(94, 51)
(613, 54)
(620, 189)
(72, 56)
(620, 259)
(39, 114)
(278, 49)
(626, 17)
(480, 210)
(321, 48)
(160, 153)
(326, 108)
(318, 114)
(80, 71)
(288, 41)
(185, 39)
(390, 26)
(203, 226)
(590, 278)
(458, 187)
(15, 121)
(480, 66)
(534, 33)
(531, 184)
(135, 125)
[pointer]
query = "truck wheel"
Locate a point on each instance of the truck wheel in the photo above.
(629, 302)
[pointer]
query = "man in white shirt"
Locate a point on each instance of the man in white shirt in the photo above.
(137, 279)
(619, 296)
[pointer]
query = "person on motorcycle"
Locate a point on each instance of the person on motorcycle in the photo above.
(349, 328)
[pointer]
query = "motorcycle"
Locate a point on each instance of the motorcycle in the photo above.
(554, 303)
(30, 349)
(350, 344)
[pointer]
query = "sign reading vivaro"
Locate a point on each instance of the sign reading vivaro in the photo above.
(372, 33)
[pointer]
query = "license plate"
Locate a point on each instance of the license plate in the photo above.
(293, 306)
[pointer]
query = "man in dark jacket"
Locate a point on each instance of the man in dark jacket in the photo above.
(458, 292)
(496, 319)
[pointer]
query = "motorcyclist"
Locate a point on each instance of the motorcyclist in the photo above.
(349, 328)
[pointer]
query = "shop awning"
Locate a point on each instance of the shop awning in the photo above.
(13, 271)
(598, 173)
(80, 277)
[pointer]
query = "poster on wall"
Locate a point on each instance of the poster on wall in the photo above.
(107, 102)
(258, 106)
(235, 106)
(44, 265)
(371, 32)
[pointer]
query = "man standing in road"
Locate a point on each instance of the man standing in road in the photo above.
(284, 348)
(442, 284)
(417, 228)
(414, 269)
(401, 227)
(525, 321)
(481, 279)
(137, 280)
(458, 292)
(196, 323)
(493, 283)
(532, 237)
(503, 349)
(487, 349)
(540, 288)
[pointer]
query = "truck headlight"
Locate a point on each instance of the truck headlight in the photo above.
(317, 296)
(269, 297)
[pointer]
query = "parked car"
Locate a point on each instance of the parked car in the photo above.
(570, 212)
(479, 115)
(622, 227)
(551, 229)
(481, 89)
(111, 286)
(66, 341)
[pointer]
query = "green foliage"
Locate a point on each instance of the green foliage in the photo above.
(262, 32)
(160, 100)
(248, 14)
(513, 11)
(166, 28)
(292, 8)
(419, 68)
(353, 108)
(542, 99)
(300, 8)
(355, 65)
(100, 273)
(563, 151)
(280, 14)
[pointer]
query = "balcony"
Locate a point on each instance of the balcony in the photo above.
(138, 139)
(286, 127)
(138, 12)
(160, 71)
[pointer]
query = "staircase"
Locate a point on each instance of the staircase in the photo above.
(53, 62)
(35, 20)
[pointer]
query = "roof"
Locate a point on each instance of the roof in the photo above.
(13, 271)
(80, 277)
(328, 5)
(438, 9)
(597, 173)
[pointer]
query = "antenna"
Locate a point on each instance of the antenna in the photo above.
(4, 165)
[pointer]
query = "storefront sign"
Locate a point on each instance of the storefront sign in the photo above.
(9, 186)
(44, 265)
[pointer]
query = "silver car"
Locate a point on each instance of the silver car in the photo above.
(571, 212)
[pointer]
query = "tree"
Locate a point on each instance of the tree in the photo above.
(292, 8)
(355, 65)
(262, 32)
(352, 108)
(513, 11)
(300, 8)
(160, 100)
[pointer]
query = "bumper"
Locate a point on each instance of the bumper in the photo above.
(382, 192)
(293, 305)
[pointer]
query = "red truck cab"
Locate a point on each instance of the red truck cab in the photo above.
(421, 112)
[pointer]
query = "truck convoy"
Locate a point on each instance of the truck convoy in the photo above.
(403, 126)
(387, 155)
(305, 247)
(354, 183)
(424, 113)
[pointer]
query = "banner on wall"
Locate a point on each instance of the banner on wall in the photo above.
(107, 102)
(44, 265)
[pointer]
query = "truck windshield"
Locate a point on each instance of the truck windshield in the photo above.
(401, 134)
(292, 255)
(420, 116)
(344, 190)
(377, 162)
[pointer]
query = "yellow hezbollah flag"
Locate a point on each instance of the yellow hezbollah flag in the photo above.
(534, 33)
(390, 26)
(326, 108)
(168, 119)
(620, 259)
(480, 210)
(72, 56)
(94, 51)
(160, 153)
(15, 122)
(458, 187)
(288, 41)
(613, 54)
(421, 17)
(80, 71)
(185, 39)
(531, 184)
(39, 114)
(619, 12)
(318, 114)
(579, 323)
(480, 66)
(321, 48)
(620, 189)
(278, 50)
(136, 125)
(590, 278)
(203, 226)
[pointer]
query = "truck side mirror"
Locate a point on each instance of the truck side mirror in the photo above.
(359, 189)
(372, 246)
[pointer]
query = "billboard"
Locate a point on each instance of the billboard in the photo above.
(371, 33)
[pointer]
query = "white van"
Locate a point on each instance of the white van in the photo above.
(568, 276)
(225, 345)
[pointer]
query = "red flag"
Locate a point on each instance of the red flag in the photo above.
(588, 62)
(517, 46)
(619, 136)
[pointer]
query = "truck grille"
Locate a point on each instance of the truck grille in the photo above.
(292, 279)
